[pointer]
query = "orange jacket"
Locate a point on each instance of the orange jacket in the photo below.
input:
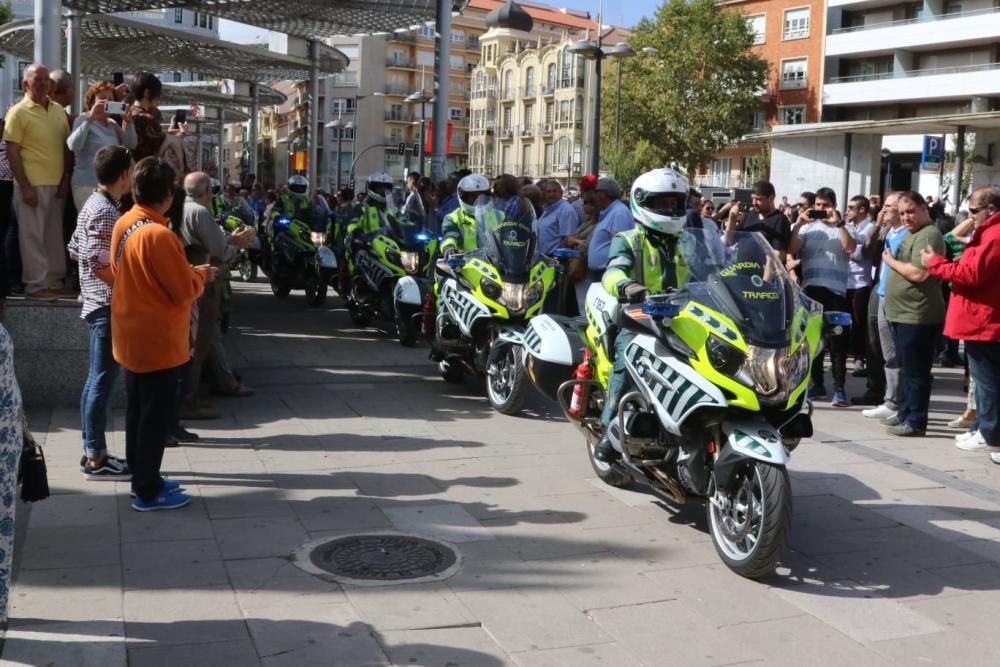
(154, 289)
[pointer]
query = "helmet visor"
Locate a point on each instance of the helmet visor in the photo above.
(472, 197)
(668, 204)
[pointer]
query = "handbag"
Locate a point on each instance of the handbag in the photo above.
(33, 475)
(578, 267)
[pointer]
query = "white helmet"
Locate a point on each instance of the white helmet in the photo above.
(379, 178)
(659, 201)
(298, 184)
(216, 186)
(475, 186)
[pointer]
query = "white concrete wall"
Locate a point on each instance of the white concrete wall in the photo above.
(801, 164)
(924, 35)
(935, 87)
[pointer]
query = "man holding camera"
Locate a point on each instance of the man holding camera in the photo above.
(824, 245)
(762, 217)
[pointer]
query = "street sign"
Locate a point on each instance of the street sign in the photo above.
(401, 148)
(932, 155)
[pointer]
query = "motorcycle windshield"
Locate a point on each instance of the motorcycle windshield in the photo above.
(742, 277)
(509, 239)
(407, 224)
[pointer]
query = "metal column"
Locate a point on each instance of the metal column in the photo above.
(48, 33)
(221, 168)
(254, 130)
(956, 186)
(423, 137)
(340, 137)
(312, 132)
(199, 164)
(73, 62)
(845, 183)
(442, 68)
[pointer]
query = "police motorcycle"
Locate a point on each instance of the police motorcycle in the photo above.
(717, 370)
(413, 293)
(296, 256)
(399, 249)
(485, 298)
(246, 260)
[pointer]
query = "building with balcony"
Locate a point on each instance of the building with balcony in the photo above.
(385, 70)
(789, 35)
(529, 98)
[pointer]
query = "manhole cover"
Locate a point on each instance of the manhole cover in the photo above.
(379, 558)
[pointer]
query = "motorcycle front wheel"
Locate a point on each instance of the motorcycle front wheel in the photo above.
(280, 288)
(247, 269)
(406, 330)
(750, 525)
(506, 379)
(315, 293)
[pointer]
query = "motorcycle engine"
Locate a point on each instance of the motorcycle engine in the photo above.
(642, 439)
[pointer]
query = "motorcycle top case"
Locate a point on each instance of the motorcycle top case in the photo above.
(553, 349)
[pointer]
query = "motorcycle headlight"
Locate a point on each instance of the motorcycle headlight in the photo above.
(410, 261)
(490, 288)
(724, 357)
(533, 293)
(514, 296)
(773, 373)
(318, 238)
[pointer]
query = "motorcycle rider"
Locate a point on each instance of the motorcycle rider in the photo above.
(459, 226)
(642, 260)
(295, 204)
(369, 216)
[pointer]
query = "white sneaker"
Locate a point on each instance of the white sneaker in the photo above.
(977, 443)
(995, 458)
(881, 412)
(962, 437)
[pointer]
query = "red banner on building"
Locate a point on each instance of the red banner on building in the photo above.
(429, 139)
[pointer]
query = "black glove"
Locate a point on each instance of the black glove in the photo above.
(634, 292)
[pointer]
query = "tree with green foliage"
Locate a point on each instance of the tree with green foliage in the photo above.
(696, 94)
(628, 161)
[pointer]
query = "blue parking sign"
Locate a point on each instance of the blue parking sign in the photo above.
(933, 154)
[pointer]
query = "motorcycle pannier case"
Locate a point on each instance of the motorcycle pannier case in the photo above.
(553, 349)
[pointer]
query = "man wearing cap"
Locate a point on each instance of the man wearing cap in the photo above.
(614, 217)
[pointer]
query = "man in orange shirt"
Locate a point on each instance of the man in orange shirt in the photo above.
(154, 288)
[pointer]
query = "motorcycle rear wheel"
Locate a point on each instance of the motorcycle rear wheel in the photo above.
(506, 380)
(750, 535)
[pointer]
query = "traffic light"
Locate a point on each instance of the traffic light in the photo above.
(401, 148)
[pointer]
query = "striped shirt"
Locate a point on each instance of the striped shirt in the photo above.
(91, 243)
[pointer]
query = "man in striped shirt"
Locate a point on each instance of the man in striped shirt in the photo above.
(91, 245)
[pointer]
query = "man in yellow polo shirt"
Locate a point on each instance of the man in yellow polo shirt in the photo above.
(36, 132)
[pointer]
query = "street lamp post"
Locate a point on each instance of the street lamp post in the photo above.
(423, 98)
(354, 131)
(620, 52)
(590, 51)
(887, 154)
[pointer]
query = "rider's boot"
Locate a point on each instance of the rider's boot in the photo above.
(606, 451)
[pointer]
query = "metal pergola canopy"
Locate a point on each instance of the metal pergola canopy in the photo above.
(210, 93)
(943, 124)
(303, 18)
(114, 44)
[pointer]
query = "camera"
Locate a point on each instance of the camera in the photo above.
(114, 108)
(817, 215)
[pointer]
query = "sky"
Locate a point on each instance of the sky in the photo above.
(618, 12)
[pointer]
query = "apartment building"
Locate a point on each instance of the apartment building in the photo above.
(789, 35)
(370, 102)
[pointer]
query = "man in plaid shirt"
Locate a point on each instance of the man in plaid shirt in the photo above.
(91, 245)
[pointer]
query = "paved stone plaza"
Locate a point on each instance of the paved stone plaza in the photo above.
(894, 559)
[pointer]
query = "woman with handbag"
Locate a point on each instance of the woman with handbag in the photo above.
(10, 453)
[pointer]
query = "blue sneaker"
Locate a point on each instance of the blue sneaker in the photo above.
(169, 486)
(164, 501)
(817, 391)
(840, 399)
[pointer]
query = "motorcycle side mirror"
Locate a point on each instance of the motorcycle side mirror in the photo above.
(565, 254)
